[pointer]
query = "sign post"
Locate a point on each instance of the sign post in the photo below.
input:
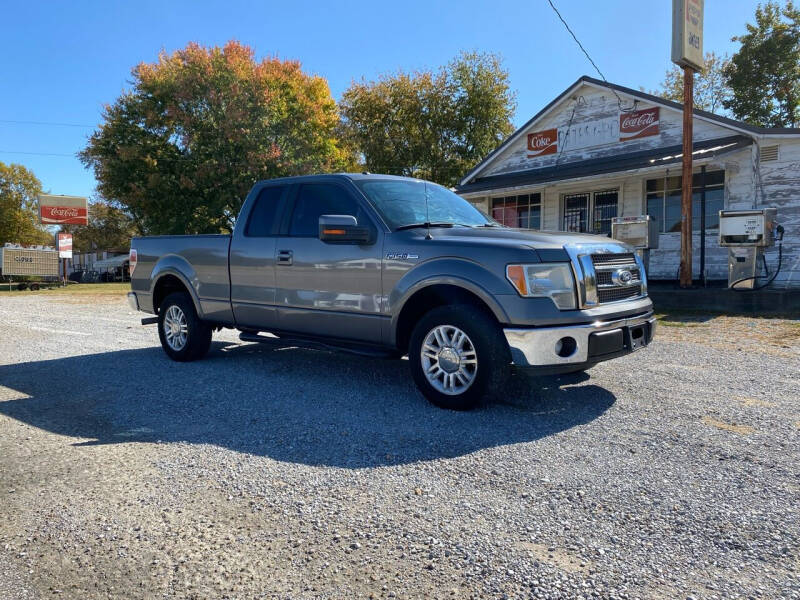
(687, 51)
(64, 247)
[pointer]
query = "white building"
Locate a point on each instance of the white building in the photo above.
(601, 150)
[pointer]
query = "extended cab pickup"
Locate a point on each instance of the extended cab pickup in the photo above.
(395, 266)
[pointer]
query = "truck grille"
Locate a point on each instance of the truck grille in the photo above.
(618, 293)
(609, 289)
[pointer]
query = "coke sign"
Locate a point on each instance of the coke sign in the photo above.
(64, 245)
(63, 210)
(638, 124)
(542, 142)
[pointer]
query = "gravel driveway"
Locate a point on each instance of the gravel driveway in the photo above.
(266, 473)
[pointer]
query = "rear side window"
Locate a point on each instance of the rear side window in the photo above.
(317, 199)
(263, 217)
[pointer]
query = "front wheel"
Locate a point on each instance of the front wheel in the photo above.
(458, 356)
(183, 335)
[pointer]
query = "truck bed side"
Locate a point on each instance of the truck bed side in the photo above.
(199, 263)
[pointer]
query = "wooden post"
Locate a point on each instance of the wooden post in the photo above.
(686, 187)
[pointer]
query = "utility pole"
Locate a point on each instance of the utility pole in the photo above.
(686, 185)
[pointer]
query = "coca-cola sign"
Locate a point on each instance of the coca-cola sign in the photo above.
(542, 142)
(64, 244)
(638, 124)
(63, 210)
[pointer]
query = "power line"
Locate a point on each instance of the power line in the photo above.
(48, 123)
(36, 153)
(594, 64)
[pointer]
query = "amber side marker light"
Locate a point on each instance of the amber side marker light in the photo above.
(334, 231)
(516, 275)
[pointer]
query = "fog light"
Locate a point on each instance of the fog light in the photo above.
(566, 347)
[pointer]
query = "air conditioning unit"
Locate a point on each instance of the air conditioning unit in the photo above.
(640, 231)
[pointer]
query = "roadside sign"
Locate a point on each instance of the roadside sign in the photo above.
(687, 33)
(64, 245)
(63, 210)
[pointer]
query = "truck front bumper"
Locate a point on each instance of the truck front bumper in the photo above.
(573, 345)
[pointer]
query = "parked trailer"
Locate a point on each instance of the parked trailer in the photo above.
(29, 262)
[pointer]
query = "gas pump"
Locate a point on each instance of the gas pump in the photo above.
(746, 233)
(640, 231)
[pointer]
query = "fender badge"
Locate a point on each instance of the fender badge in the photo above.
(401, 256)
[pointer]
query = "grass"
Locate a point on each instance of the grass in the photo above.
(74, 289)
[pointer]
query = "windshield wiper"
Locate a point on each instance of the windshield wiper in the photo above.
(417, 225)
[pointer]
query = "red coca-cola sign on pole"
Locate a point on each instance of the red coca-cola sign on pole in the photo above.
(63, 210)
(638, 124)
(542, 142)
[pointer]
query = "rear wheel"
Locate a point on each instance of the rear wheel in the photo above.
(184, 337)
(458, 356)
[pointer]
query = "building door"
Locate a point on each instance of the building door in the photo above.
(590, 212)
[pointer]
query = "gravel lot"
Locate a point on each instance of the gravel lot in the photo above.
(263, 473)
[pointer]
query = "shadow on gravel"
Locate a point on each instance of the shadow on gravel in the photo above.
(297, 405)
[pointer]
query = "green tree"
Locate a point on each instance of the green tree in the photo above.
(433, 125)
(710, 87)
(19, 207)
(764, 74)
(181, 149)
(109, 228)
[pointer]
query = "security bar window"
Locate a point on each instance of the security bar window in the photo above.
(590, 213)
(664, 200)
(576, 208)
(521, 212)
(605, 209)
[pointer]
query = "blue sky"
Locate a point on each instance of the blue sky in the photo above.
(63, 60)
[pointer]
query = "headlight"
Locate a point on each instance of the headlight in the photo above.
(544, 280)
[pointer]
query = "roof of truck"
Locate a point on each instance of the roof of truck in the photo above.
(352, 176)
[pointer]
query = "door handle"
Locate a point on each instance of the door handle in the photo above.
(284, 257)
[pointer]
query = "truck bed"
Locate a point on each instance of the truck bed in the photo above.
(203, 259)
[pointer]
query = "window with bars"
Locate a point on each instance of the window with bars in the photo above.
(664, 200)
(521, 212)
(590, 213)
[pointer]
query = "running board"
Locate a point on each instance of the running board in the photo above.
(149, 320)
(280, 342)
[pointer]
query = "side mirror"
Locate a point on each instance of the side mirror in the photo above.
(343, 229)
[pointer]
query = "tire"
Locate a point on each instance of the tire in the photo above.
(177, 316)
(457, 384)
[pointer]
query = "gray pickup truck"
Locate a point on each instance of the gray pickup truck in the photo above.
(392, 266)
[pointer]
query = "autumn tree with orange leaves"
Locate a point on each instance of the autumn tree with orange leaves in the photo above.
(180, 150)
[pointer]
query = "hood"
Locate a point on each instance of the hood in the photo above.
(538, 240)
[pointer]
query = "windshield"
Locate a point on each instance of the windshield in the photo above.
(402, 202)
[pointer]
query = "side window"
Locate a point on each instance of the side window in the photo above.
(317, 199)
(264, 213)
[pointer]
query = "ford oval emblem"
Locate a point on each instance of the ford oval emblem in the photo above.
(622, 277)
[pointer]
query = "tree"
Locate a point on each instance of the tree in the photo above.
(764, 74)
(710, 87)
(181, 149)
(433, 125)
(19, 216)
(109, 227)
